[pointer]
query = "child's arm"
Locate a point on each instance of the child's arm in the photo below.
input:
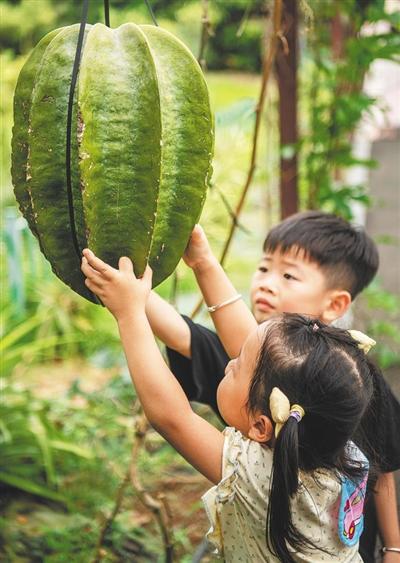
(387, 516)
(168, 325)
(233, 322)
(161, 396)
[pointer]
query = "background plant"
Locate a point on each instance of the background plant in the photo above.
(69, 442)
(338, 55)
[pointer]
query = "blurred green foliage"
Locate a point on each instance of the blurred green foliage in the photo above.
(332, 102)
(29, 443)
(235, 43)
(77, 451)
(382, 316)
(75, 446)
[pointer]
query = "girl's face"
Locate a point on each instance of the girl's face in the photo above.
(233, 391)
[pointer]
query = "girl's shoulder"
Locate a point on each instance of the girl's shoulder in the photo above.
(239, 447)
(250, 461)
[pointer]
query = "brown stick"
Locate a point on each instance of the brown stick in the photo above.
(286, 62)
(205, 34)
(158, 507)
(267, 66)
(108, 521)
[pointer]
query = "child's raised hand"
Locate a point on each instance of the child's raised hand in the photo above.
(119, 289)
(198, 252)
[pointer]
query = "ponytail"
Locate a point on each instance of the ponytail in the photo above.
(285, 482)
(322, 369)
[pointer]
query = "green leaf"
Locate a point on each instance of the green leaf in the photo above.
(38, 429)
(31, 487)
(71, 448)
(32, 348)
(18, 332)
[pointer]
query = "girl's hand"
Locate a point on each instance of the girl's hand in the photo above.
(198, 253)
(119, 290)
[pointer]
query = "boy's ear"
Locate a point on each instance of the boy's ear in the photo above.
(261, 429)
(339, 302)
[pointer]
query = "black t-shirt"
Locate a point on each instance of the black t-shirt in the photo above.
(380, 428)
(200, 375)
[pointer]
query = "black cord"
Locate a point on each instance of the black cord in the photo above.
(75, 71)
(107, 12)
(153, 17)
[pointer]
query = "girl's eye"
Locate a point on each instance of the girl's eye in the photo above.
(288, 276)
(262, 269)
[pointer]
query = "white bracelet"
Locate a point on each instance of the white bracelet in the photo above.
(389, 549)
(233, 299)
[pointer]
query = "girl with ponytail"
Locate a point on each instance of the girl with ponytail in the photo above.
(289, 482)
(318, 477)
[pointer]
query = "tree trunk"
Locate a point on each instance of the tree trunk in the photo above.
(286, 71)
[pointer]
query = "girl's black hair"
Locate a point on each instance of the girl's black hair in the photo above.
(322, 369)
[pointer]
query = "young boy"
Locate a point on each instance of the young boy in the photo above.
(313, 263)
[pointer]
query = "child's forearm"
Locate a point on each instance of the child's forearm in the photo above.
(386, 510)
(233, 322)
(168, 325)
(163, 401)
(159, 392)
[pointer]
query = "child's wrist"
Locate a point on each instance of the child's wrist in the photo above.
(131, 315)
(205, 264)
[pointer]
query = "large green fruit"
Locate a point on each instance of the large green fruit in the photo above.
(142, 140)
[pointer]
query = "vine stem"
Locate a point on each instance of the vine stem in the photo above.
(205, 34)
(269, 59)
(159, 506)
(108, 521)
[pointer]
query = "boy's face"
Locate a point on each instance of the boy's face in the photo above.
(290, 283)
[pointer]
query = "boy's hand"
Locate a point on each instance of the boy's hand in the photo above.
(119, 290)
(198, 253)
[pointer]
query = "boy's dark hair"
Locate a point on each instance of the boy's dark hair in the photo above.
(346, 254)
(322, 369)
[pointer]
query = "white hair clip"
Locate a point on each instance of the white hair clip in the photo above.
(281, 410)
(365, 343)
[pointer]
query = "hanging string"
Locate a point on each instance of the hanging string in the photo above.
(153, 17)
(69, 126)
(74, 77)
(75, 70)
(107, 12)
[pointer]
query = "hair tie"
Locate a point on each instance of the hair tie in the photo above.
(315, 327)
(364, 342)
(297, 412)
(281, 410)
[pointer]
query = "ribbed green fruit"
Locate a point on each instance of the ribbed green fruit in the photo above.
(142, 141)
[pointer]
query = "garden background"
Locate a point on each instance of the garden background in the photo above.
(70, 424)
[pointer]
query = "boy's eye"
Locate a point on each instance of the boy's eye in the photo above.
(288, 276)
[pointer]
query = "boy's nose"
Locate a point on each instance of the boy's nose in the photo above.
(268, 284)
